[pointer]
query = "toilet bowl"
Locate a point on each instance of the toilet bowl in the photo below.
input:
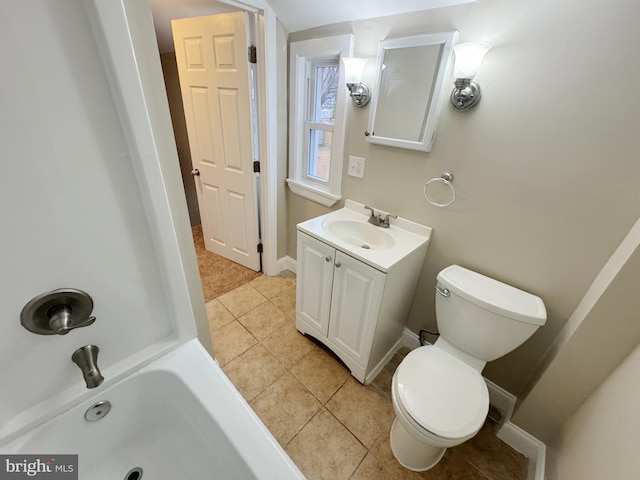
(439, 401)
(439, 395)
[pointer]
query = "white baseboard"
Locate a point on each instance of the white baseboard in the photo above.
(501, 400)
(511, 434)
(526, 444)
(286, 263)
(410, 339)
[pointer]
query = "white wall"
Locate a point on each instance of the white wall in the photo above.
(84, 203)
(545, 167)
(601, 439)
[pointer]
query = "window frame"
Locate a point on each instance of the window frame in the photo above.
(310, 123)
(303, 56)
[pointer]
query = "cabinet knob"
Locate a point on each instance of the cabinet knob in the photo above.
(338, 264)
(327, 259)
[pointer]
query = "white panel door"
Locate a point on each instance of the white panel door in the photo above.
(213, 66)
(355, 302)
(315, 279)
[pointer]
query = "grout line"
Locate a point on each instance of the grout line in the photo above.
(478, 469)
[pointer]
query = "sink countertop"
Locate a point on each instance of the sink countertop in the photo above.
(408, 236)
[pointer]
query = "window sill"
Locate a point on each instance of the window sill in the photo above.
(312, 193)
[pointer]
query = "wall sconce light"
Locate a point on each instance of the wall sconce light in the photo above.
(468, 57)
(359, 90)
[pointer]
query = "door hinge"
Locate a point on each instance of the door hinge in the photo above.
(253, 54)
(260, 248)
(256, 167)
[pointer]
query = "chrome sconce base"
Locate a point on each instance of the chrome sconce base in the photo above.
(466, 94)
(360, 93)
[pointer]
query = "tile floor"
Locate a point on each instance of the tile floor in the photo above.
(332, 426)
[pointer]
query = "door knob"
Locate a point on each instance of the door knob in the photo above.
(195, 172)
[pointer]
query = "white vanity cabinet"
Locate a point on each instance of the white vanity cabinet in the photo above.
(338, 300)
(355, 284)
(356, 310)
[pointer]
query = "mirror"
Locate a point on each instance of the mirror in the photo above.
(407, 94)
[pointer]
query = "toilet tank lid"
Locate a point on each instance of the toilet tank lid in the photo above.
(493, 295)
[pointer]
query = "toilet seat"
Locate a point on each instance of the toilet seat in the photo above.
(441, 394)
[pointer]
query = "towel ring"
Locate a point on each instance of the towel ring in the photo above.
(447, 179)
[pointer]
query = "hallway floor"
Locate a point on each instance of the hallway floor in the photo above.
(218, 274)
(332, 426)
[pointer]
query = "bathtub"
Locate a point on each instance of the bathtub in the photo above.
(178, 417)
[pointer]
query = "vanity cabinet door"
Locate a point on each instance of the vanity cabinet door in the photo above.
(355, 304)
(314, 282)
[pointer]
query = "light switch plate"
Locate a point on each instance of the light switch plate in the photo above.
(356, 167)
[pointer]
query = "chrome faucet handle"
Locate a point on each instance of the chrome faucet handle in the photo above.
(373, 213)
(57, 312)
(385, 221)
(373, 219)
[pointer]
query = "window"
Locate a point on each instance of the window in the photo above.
(321, 118)
(317, 118)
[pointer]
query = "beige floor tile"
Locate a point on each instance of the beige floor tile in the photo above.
(273, 286)
(217, 315)
(288, 345)
(253, 371)
(364, 410)
(286, 302)
(322, 374)
(230, 341)
(324, 449)
(242, 299)
(263, 320)
(372, 469)
(285, 407)
(492, 456)
(454, 465)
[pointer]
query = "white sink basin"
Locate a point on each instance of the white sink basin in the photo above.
(360, 234)
(348, 230)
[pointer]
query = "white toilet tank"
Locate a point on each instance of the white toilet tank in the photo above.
(482, 316)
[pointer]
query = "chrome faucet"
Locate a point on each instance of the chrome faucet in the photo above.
(87, 359)
(379, 220)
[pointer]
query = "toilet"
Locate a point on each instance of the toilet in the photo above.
(439, 395)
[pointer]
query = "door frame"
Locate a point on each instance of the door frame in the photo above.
(130, 43)
(267, 128)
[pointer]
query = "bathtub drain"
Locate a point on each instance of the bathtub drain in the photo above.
(134, 474)
(97, 411)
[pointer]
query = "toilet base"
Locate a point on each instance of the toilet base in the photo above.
(412, 453)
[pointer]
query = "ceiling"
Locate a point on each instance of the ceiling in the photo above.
(295, 15)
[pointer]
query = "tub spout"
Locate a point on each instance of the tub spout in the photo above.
(87, 359)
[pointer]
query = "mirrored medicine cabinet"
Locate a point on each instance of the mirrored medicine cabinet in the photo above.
(410, 74)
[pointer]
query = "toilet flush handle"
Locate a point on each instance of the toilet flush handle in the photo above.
(442, 291)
